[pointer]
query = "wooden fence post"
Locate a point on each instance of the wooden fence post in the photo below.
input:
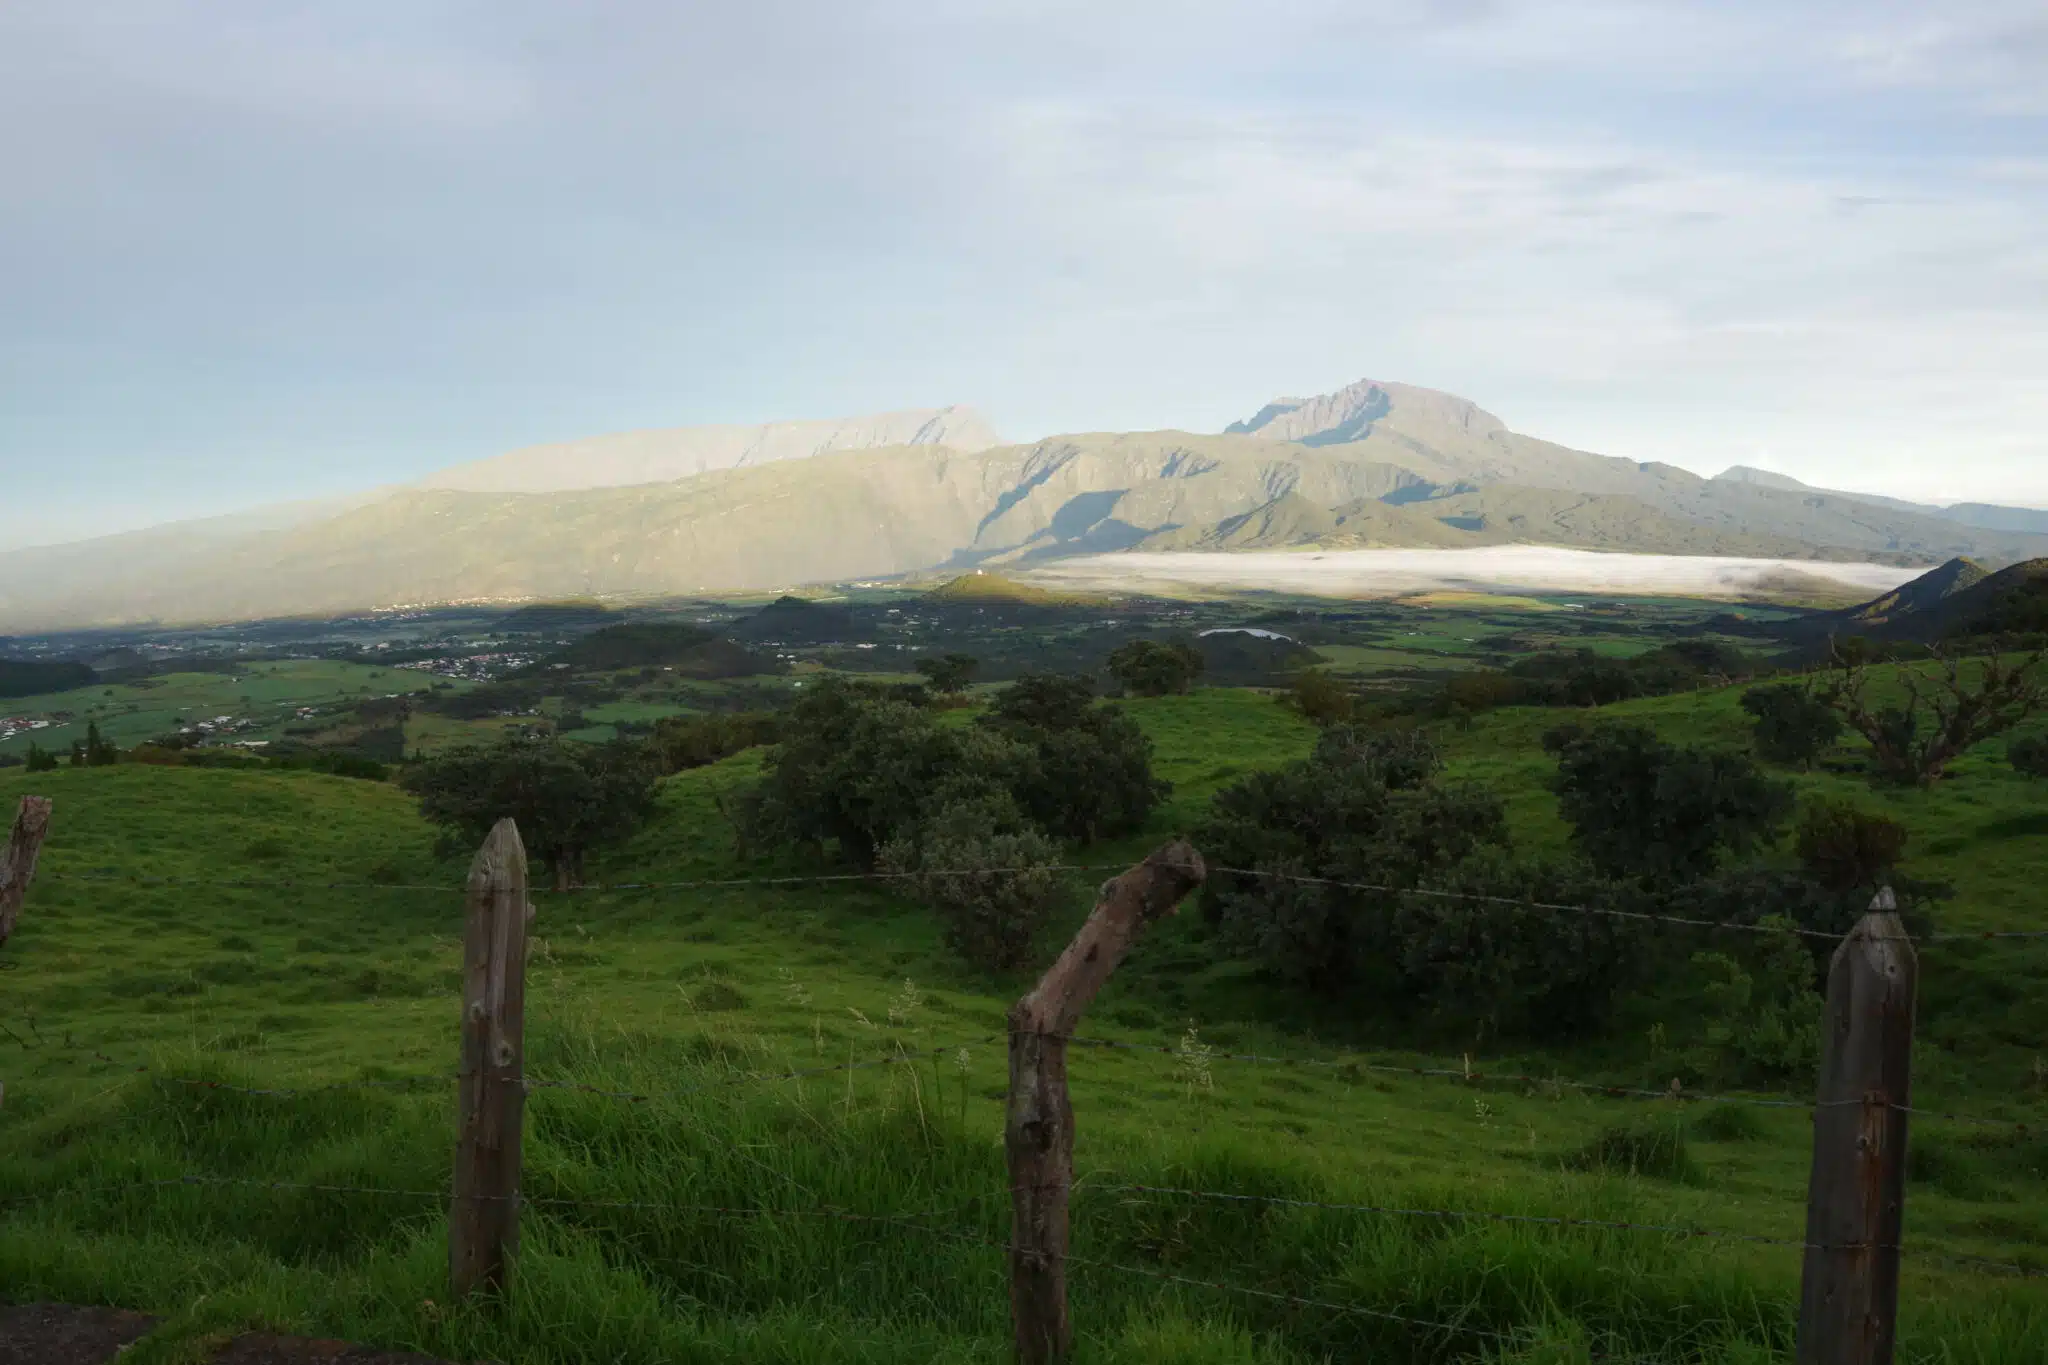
(483, 1221)
(1855, 1211)
(1039, 1134)
(18, 862)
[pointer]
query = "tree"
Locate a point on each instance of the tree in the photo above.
(1148, 668)
(986, 870)
(1358, 809)
(857, 768)
(1944, 715)
(1319, 696)
(39, 759)
(2029, 756)
(1087, 768)
(93, 751)
(1640, 807)
(1845, 848)
(949, 674)
(568, 799)
(1793, 725)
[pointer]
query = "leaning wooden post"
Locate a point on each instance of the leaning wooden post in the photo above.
(483, 1222)
(1856, 1197)
(18, 862)
(1039, 1135)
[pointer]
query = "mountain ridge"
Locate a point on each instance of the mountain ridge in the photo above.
(1371, 465)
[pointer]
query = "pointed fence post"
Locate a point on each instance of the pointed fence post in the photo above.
(18, 861)
(1855, 1212)
(483, 1221)
(1038, 1136)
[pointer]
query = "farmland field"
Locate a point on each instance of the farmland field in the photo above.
(858, 1215)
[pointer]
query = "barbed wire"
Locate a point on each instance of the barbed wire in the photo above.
(1473, 1076)
(828, 878)
(1641, 916)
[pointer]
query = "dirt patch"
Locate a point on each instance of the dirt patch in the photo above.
(55, 1334)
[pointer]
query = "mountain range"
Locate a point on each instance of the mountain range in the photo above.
(741, 509)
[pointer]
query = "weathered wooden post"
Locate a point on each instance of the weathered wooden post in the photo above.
(1039, 1134)
(18, 862)
(483, 1222)
(1856, 1197)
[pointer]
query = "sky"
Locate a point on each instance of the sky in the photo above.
(263, 250)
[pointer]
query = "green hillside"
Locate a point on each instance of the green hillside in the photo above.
(694, 994)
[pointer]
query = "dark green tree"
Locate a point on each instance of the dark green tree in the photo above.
(1361, 809)
(40, 760)
(93, 751)
(1943, 712)
(949, 674)
(1640, 807)
(2029, 756)
(568, 799)
(1845, 848)
(990, 874)
(1150, 668)
(1087, 768)
(1793, 725)
(1319, 695)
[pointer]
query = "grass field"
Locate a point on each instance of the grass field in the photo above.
(858, 1215)
(266, 695)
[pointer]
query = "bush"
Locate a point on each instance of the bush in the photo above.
(1730, 1122)
(1640, 807)
(683, 742)
(1793, 725)
(39, 759)
(1762, 1016)
(858, 770)
(1358, 809)
(989, 875)
(1844, 848)
(1148, 668)
(1321, 697)
(1086, 769)
(2029, 756)
(1493, 969)
(949, 674)
(1656, 1149)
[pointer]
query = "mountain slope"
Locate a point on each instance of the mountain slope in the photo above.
(1984, 516)
(663, 456)
(1373, 465)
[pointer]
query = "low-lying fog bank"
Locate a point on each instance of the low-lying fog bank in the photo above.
(1493, 569)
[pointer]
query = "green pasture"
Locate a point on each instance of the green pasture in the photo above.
(858, 1215)
(269, 692)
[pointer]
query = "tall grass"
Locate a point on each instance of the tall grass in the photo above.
(819, 1221)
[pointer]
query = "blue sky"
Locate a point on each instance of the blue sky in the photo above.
(264, 250)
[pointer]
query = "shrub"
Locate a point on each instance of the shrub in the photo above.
(1319, 696)
(1656, 1149)
(1844, 848)
(989, 875)
(1640, 807)
(1730, 1122)
(683, 742)
(1148, 668)
(1491, 968)
(1793, 725)
(1086, 769)
(1762, 1016)
(949, 674)
(39, 759)
(2029, 756)
(1358, 809)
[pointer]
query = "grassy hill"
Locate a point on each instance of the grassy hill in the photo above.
(691, 994)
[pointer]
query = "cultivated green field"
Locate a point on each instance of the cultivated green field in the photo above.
(858, 1215)
(265, 695)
